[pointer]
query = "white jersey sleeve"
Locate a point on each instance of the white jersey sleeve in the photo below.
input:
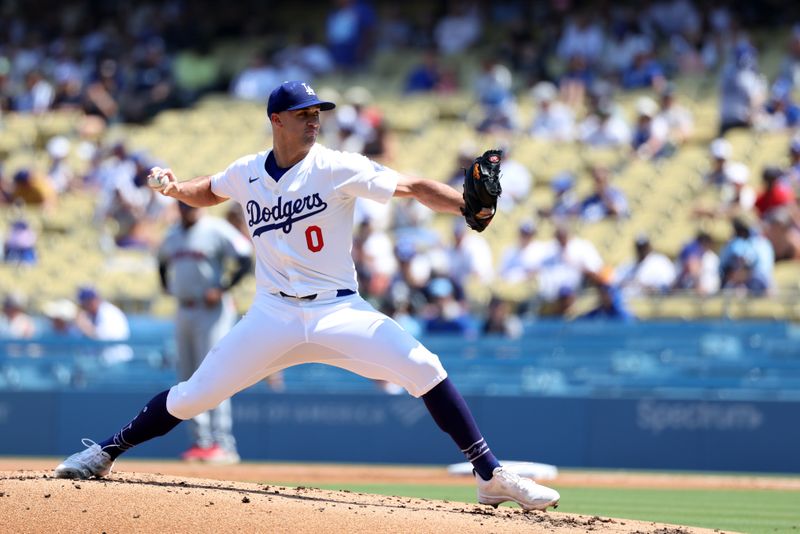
(355, 175)
(233, 182)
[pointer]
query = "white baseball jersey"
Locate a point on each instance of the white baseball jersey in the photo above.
(302, 225)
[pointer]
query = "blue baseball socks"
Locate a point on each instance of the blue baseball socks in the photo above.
(444, 402)
(154, 420)
(452, 414)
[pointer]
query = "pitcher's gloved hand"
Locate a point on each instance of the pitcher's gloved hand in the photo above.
(481, 189)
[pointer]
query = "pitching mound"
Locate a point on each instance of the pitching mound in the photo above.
(32, 501)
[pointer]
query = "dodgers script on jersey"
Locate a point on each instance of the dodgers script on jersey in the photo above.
(302, 225)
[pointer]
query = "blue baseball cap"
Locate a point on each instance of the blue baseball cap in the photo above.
(293, 95)
(87, 293)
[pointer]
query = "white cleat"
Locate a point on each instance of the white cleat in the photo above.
(90, 462)
(507, 486)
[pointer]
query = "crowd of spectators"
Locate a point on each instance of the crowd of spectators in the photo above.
(121, 62)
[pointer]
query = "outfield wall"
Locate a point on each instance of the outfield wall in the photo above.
(641, 433)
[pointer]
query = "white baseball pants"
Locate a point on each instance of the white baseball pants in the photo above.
(280, 332)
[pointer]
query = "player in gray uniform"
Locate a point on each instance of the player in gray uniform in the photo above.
(192, 265)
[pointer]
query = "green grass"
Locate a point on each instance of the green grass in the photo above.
(752, 511)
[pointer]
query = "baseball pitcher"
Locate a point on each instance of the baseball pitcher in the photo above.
(298, 199)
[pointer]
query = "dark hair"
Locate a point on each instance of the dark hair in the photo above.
(740, 227)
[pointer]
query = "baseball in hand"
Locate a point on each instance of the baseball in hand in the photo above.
(157, 179)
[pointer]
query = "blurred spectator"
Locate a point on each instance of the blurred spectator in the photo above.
(469, 256)
(37, 95)
(517, 180)
(776, 193)
(398, 306)
(60, 172)
(746, 261)
(15, 323)
(611, 305)
(257, 80)
(698, 266)
(310, 56)
(6, 89)
(196, 71)
(445, 315)
(377, 257)
(553, 120)
(20, 244)
(135, 208)
(650, 139)
(350, 136)
(467, 152)
(61, 314)
(153, 84)
(520, 260)
(562, 305)
(782, 232)
(669, 17)
(33, 188)
(567, 260)
(606, 201)
(577, 79)
(646, 72)
(493, 92)
(690, 52)
(565, 202)
(459, 29)
(406, 293)
(625, 42)
(582, 36)
(350, 32)
(395, 29)
(380, 145)
(99, 319)
(736, 196)
(793, 170)
(649, 273)
(501, 319)
(679, 120)
(742, 89)
(604, 128)
(365, 123)
(722, 167)
(104, 91)
(426, 76)
(790, 66)
(780, 112)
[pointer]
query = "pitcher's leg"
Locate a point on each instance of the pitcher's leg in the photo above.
(154, 420)
(378, 347)
(375, 346)
(98, 459)
(451, 413)
(239, 360)
(245, 356)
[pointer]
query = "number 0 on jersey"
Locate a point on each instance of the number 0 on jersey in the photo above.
(314, 238)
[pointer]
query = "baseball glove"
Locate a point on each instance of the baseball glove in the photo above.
(481, 189)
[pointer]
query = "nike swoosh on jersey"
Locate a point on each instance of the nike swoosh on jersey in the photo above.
(252, 179)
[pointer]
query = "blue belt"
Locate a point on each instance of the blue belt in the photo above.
(339, 293)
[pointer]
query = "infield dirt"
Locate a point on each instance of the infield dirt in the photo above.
(174, 497)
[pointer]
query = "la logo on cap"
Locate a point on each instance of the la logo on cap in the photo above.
(308, 88)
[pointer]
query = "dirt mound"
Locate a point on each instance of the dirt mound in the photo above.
(33, 501)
